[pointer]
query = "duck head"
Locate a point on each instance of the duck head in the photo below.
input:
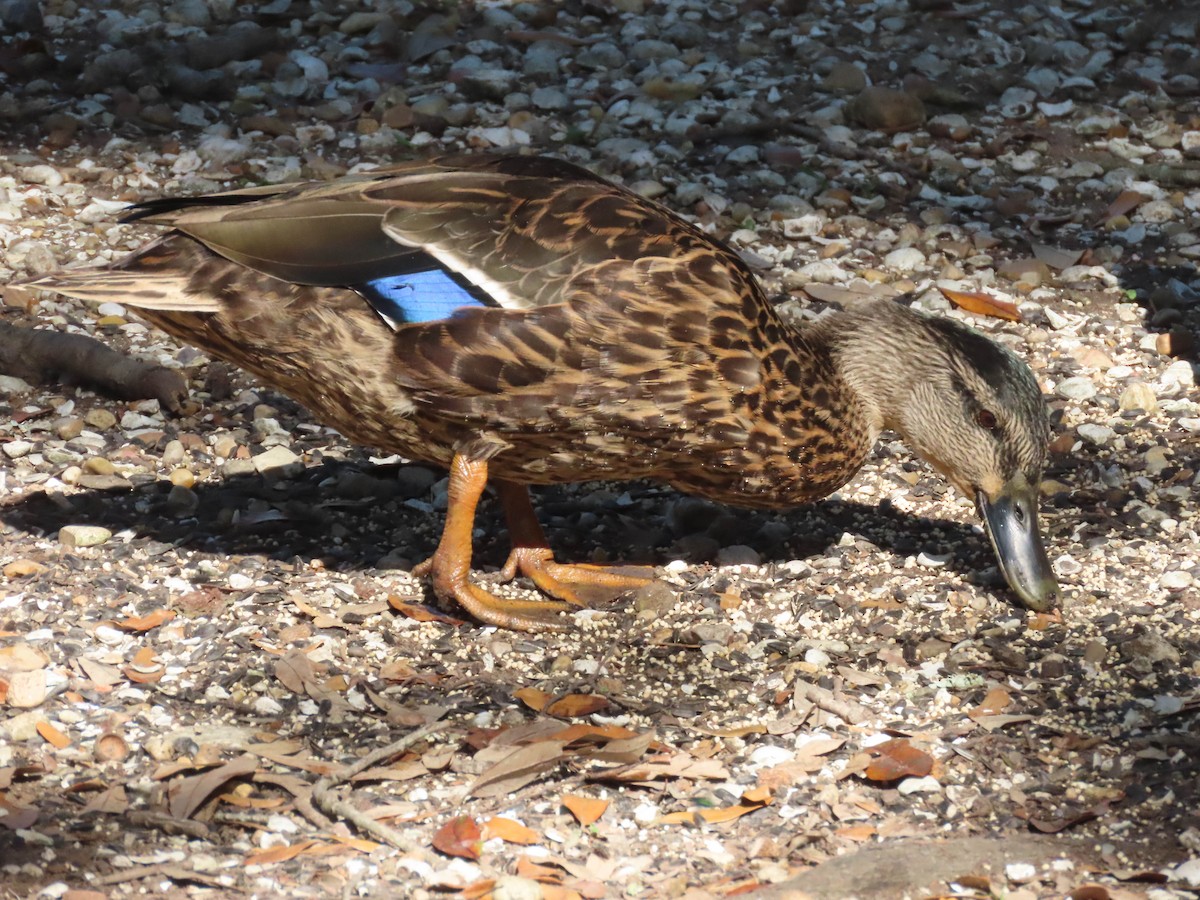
(974, 411)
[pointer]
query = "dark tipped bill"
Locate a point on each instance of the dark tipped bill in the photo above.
(1011, 521)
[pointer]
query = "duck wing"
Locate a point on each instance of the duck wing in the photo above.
(421, 240)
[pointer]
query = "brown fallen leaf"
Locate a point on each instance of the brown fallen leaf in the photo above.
(16, 817)
(751, 801)
(277, 854)
(459, 837)
(1126, 202)
(586, 810)
(293, 755)
(147, 622)
(52, 735)
(991, 723)
(1054, 826)
(982, 304)
(582, 732)
(100, 674)
(809, 758)
(111, 800)
(895, 759)
(187, 795)
(420, 612)
(517, 769)
(1056, 257)
(543, 874)
(679, 765)
(535, 699)
(628, 750)
(509, 830)
(572, 706)
(856, 833)
(402, 672)
(478, 890)
(996, 701)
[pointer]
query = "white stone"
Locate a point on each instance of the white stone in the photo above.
(926, 785)
(16, 449)
(1078, 388)
(1019, 873)
(1178, 373)
(1095, 434)
(1176, 581)
(905, 259)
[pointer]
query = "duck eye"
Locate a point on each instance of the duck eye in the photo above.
(987, 419)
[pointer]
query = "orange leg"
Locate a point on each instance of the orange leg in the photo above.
(450, 565)
(532, 557)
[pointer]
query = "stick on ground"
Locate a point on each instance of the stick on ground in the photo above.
(55, 357)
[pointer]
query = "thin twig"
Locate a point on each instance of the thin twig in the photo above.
(824, 699)
(300, 798)
(324, 798)
(169, 824)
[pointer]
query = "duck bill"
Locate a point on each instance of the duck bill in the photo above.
(1011, 520)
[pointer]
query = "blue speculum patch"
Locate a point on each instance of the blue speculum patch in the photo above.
(427, 296)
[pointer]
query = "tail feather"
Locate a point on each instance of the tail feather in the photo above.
(158, 290)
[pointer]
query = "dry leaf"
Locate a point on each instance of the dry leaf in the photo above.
(401, 771)
(897, 759)
(402, 672)
(535, 699)
(295, 671)
(809, 758)
(582, 732)
(147, 622)
(52, 735)
(509, 830)
(1126, 202)
(996, 701)
(292, 754)
(573, 706)
(100, 674)
(1055, 257)
(586, 810)
(478, 890)
(110, 800)
(15, 817)
(517, 769)
(629, 750)
(420, 612)
(754, 799)
(856, 833)
(527, 868)
(187, 795)
(681, 765)
(278, 854)
(459, 837)
(982, 304)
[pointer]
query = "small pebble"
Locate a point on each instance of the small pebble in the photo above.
(1177, 581)
(83, 535)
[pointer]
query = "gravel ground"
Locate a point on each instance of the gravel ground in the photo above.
(204, 615)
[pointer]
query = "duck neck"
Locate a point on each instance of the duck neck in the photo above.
(877, 347)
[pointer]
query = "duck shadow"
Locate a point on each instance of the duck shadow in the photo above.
(316, 517)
